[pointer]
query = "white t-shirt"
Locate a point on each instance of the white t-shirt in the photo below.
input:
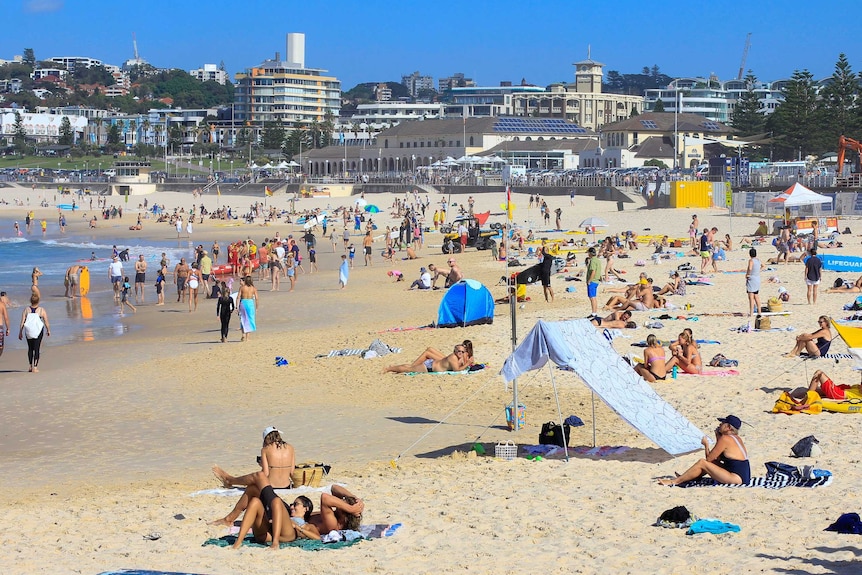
(279, 252)
(115, 269)
(425, 278)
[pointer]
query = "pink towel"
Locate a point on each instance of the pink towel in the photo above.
(713, 372)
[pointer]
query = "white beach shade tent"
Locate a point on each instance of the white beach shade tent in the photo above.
(798, 195)
(578, 346)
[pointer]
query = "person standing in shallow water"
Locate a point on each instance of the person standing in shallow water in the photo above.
(34, 342)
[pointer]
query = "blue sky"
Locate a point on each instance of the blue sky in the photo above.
(374, 40)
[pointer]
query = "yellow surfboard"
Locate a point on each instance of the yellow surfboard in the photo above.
(84, 281)
(86, 309)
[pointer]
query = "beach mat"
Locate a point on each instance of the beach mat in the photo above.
(774, 482)
(712, 373)
(306, 544)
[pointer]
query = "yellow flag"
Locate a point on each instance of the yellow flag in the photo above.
(218, 190)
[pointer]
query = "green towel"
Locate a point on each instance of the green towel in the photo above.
(307, 544)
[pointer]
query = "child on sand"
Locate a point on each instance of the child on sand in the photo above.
(124, 299)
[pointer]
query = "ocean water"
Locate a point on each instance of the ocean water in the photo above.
(82, 319)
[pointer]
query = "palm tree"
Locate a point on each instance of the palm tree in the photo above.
(145, 125)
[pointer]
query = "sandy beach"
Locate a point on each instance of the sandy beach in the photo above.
(110, 440)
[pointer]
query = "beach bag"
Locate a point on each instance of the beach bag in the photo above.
(552, 434)
(309, 474)
(762, 322)
(33, 325)
(806, 447)
(686, 267)
(774, 304)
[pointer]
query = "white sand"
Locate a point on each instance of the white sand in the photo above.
(107, 443)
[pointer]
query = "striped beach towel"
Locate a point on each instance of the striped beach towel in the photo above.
(770, 482)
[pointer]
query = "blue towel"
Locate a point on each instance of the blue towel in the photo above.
(574, 421)
(713, 526)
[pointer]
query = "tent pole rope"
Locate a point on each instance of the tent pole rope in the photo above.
(593, 403)
(559, 412)
(442, 421)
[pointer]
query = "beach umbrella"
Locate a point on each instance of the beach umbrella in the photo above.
(592, 223)
(361, 202)
(497, 160)
(372, 209)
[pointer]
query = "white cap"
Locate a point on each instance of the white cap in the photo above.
(269, 430)
(782, 289)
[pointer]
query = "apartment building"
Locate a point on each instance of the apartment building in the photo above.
(285, 91)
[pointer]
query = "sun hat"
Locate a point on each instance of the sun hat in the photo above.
(731, 420)
(782, 289)
(422, 270)
(269, 430)
(643, 281)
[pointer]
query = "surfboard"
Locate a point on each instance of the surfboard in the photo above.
(84, 280)
(86, 310)
(65, 206)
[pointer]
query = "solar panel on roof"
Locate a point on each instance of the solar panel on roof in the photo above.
(649, 124)
(711, 126)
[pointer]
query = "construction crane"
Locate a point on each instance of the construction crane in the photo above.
(744, 56)
(844, 144)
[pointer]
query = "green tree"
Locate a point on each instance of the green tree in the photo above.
(297, 141)
(326, 128)
(839, 102)
(19, 134)
(273, 136)
(113, 141)
(659, 106)
(747, 116)
(67, 137)
(175, 138)
(29, 58)
(796, 123)
(634, 112)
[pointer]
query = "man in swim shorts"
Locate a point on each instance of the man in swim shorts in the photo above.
(140, 277)
(594, 276)
(825, 387)
(115, 273)
(181, 273)
(71, 281)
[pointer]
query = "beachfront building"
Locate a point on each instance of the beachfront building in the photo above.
(284, 91)
(484, 101)
(71, 63)
(710, 98)
(417, 83)
(41, 128)
(677, 140)
(581, 102)
(46, 73)
(370, 119)
(210, 72)
(544, 154)
(410, 145)
(456, 80)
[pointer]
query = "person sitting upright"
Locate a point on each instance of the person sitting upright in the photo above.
(726, 463)
(815, 343)
(654, 366)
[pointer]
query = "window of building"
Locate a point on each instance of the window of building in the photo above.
(457, 143)
(400, 144)
(385, 143)
(421, 144)
(471, 140)
(635, 139)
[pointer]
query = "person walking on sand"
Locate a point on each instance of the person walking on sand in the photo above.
(224, 310)
(343, 272)
(34, 325)
(752, 282)
(594, 277)
(140, 278)
(813, 267)
(181, 274)
(247, 311)
(193, 284)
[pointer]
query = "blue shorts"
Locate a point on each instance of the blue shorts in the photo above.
(592, 289)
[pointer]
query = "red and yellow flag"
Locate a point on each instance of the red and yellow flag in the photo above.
(267, 191)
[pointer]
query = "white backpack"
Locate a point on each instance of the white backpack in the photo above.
(33, 326)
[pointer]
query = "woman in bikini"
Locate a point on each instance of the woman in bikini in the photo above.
(686, 356)
(674, 287)
(277, 460)
(34, 277)
(726, 463)
(340, 510)
(433, 360)
(193, 282)
(654, 367)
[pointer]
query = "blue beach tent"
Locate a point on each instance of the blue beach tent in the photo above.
(468, 302)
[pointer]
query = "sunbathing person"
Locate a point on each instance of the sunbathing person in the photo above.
(644, 299)
(433, 360)
(277, 460)
(848, 287)
(615, 320)
(815, 343)
(272, 521)
(825, 387)
(630, 290)
(686, 355)
(654, 366)
(726, 463)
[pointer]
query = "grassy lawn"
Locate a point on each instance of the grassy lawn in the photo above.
(84, 162)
